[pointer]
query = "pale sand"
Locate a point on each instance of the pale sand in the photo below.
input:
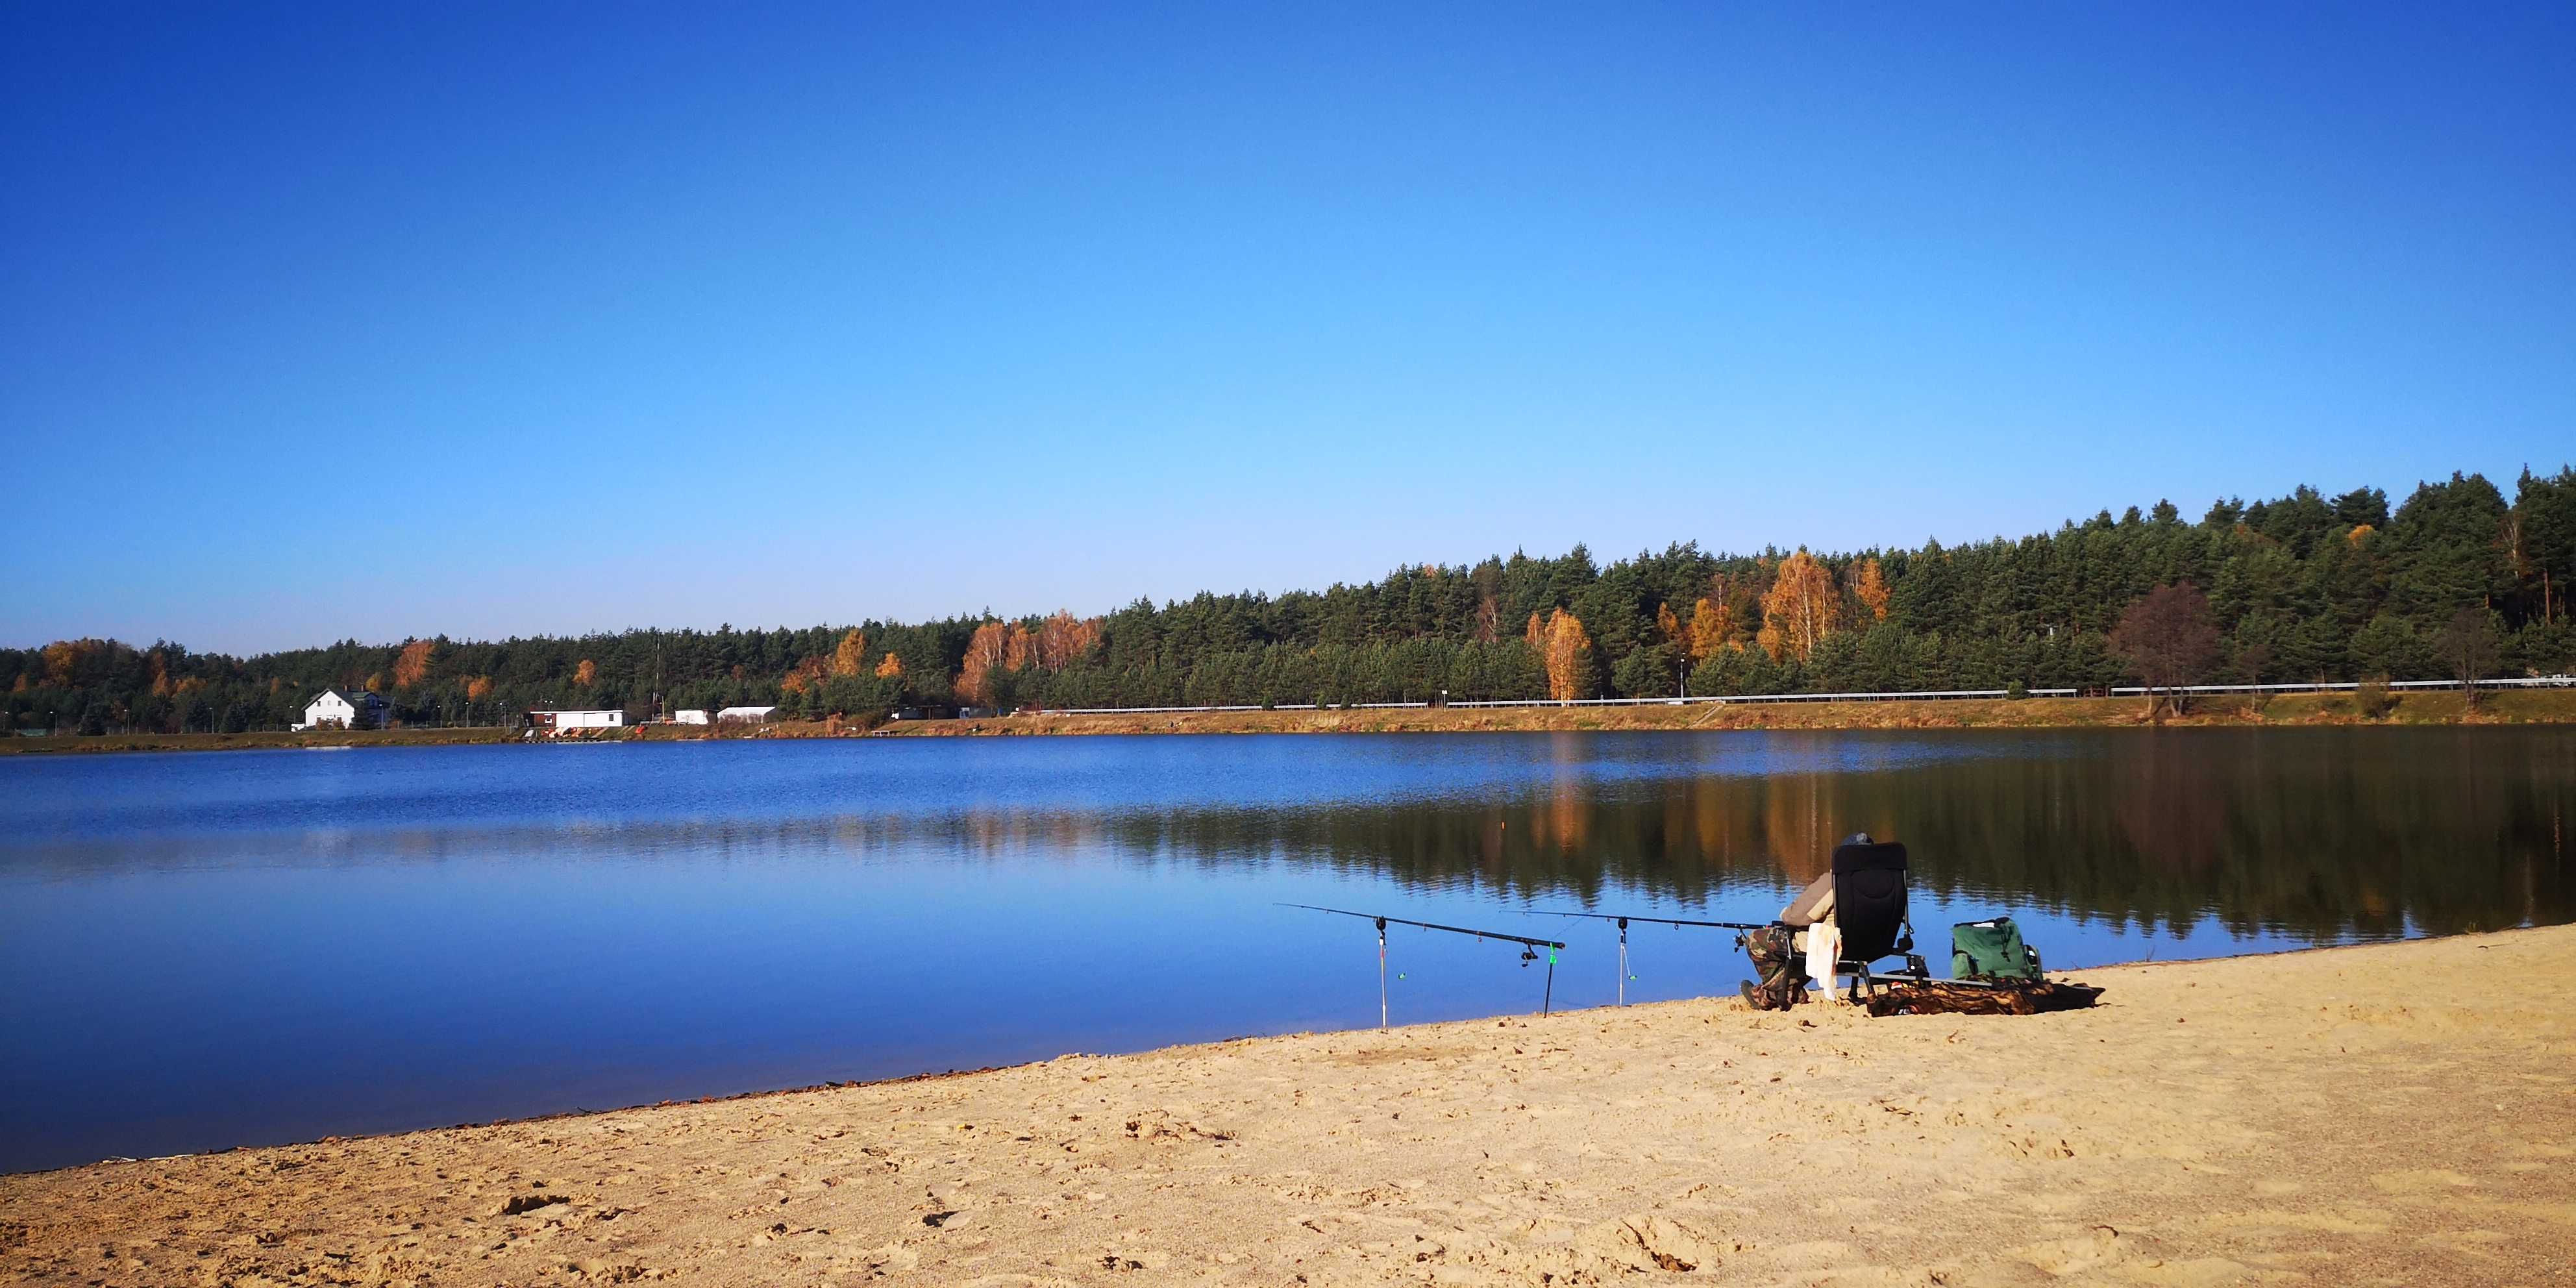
(2391, 1114)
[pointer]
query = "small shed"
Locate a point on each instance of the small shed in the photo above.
(689, 716)
(746, 715)
(568, 721)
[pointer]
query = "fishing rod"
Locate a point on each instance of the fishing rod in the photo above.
(1529, 949)
(1623, 919)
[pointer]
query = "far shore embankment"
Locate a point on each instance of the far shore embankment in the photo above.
(2283, 711)
(2293, 710)
(2389, 1114)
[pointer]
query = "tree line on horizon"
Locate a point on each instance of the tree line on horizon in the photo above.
(2300, 588)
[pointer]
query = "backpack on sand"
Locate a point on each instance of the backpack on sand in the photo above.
(1991, 949)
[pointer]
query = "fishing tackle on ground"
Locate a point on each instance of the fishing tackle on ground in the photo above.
(1529, 949)
(1623, 919)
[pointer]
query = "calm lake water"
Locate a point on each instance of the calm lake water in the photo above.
(250, 947)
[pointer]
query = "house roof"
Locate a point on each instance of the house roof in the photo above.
(353, 699)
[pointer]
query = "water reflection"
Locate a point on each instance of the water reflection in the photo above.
(2322, 836)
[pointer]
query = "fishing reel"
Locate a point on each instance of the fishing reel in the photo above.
(1528, 954)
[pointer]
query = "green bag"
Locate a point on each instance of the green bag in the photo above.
(1991, 949)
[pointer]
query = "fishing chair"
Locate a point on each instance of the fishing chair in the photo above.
(1869, 911)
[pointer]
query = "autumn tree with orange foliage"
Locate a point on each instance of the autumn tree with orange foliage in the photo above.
(1020, 651)
(985, 654)
(1869, 586)
(1064, 639)
(1536, 635)
(852, 656)
(63, 657)
(478, 688)
(586, 674)
(1569, 658)
(891, 668)
(413, 666)
(1801, 610)
(806, 676)
(1712, 629)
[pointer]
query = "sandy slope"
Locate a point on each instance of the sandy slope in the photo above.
(2392, 1114)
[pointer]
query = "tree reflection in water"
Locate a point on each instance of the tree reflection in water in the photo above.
(2315, 835)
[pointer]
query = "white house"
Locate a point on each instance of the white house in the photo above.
(753, 715)
(562, 721)
(691, 715)
(343, 712)
(360, 710)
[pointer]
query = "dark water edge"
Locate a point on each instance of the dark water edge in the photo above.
(206, 950)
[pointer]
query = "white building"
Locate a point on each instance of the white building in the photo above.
(562, 721)
(360, 710)
(691, 715)
(749, 715)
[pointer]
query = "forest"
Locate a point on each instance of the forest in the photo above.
(2298, 588)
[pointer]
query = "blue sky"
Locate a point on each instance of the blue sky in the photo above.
(385, 320)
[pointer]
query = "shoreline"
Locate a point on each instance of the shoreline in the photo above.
(939, 1075)
(2288, 711)
(2402, 1110)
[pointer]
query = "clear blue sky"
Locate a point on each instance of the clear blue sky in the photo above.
(380, 320)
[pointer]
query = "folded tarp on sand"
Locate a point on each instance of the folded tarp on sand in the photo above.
(2008, 997)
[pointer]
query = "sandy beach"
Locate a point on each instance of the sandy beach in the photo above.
(2390, 1114)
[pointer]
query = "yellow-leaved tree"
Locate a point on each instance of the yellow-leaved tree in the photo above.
(891, 668)
(1869, 586)
(1712, 629)
(984, 655)
(478, 688)
(807, 676)
(1064, 639)
(586, 674)
(1800, 610)
(62, 657)
(852, 656)
(1020, 651)
(413, 666)
(1569, 658)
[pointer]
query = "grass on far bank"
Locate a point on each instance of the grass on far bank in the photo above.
(2288, 710)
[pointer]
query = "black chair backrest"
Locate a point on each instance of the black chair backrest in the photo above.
(1869, 898)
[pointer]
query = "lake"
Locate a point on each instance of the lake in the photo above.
(226, 948)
